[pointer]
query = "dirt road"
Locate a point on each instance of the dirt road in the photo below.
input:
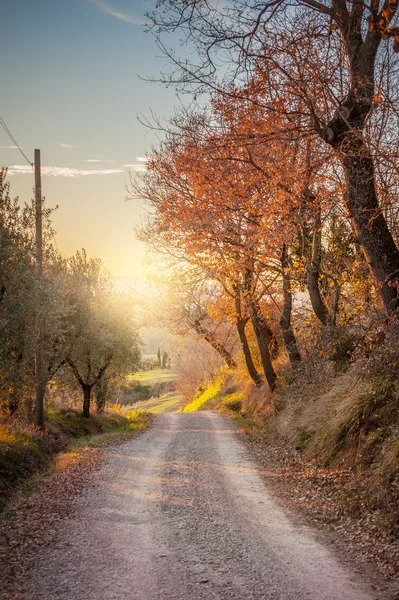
(182, 513)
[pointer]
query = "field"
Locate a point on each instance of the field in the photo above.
(157, 381)
(153, 377)
(170, 402)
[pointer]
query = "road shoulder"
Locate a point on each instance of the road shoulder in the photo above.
(313, 496)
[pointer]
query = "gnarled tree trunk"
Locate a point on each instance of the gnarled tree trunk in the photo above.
(265, 340)
(370, 226)
(313, 267)
(345, 133)
(86, 400)
(89, 382)
(241, 324)
(289, 338)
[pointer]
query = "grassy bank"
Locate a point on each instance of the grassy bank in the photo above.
(338, 412)
(223, 393)
(206, 399)
(328, 442)
(154, 377)
(169, 402)
(25, 450)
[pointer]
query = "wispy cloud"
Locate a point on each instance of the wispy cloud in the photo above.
(12, 147)
(122, 16)
(135, 167)
(141, 158)
(62, 171)
(99, 160)
(67, 146)
(69, 171)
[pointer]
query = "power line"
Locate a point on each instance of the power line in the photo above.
(14, 141)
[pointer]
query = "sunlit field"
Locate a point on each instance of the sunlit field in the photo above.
(168, 403)
(153, 377)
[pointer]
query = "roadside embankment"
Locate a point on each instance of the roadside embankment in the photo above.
(26, 450)
(328, 439)
(32, 517)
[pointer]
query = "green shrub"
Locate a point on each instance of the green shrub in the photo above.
(20, 455)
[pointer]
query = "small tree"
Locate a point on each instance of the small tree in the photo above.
(20, 302)
(159, 358)
(165, 358)
(106, 342)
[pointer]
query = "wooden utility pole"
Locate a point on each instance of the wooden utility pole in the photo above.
(39, 364)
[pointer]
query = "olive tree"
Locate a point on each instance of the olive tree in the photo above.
(104, 342)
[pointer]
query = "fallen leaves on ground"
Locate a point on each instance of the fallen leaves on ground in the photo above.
(322, 498)
(30, 523)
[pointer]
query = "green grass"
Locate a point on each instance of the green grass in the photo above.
(22, 452)
(26, 451)
(76, 426)
(131, 421)
(206, 399)
(153, 377)
(168, 403)
(247, 424)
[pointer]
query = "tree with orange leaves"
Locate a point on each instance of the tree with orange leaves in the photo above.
(220, 213)
(321, 60)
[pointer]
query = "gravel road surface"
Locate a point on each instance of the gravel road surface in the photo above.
(181, 512)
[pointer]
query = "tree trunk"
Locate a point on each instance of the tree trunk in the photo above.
(371, 229)
(86, 400)
(313, 273)
(265, 338)
(101, 392)
(241, 323)
(2, 236)
(15, 393)
(88, 385)
(210, 338)
(253, 373)
(345, 133)
(289, 338)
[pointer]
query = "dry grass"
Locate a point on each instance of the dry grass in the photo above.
(340, 410)
(25, 450)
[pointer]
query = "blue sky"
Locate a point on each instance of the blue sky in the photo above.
(70, 86)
